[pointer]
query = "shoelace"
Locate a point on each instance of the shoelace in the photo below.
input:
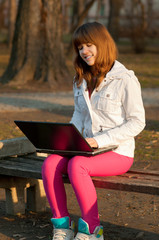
(82, 237)
(59, 235)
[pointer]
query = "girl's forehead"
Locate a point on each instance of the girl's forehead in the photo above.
(82, 38)
(85, 43)
(81, 41)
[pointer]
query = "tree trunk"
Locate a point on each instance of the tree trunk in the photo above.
(79, 21)
(82, 15)
(114, 17)
(78, 6)
(37, 52)
(12, 18)
(138, 26)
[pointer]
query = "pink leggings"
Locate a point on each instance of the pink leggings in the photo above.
(80, 169)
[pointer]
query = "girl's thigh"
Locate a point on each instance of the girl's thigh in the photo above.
(106, 164)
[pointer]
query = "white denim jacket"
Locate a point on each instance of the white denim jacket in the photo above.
(114, 114)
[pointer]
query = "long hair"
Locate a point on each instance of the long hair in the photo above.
(98, 35)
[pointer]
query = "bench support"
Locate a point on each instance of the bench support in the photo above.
(16, 199)
(36, 197)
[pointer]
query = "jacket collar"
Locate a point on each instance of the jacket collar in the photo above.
(116, 72)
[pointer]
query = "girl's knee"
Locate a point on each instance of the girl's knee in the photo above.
(48, 163)
(52, 163)
(76, 165)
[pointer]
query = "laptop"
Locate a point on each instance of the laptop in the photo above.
(60, 138)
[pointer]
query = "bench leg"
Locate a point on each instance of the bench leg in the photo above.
(36, 198)
(15, 202)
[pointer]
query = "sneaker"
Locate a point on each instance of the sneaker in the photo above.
(84, 233)
(62, 229)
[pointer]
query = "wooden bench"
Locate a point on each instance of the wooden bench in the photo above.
(20, 176)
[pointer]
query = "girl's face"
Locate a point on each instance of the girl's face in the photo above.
(88, 53)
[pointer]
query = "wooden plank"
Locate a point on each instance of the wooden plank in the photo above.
(20, 171)
(144, 172)
(144, 177)
(135, 185)
(21, 160)
(22, 165)
(15, 146)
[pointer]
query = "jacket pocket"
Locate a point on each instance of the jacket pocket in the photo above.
(108, 102)
(79, 100)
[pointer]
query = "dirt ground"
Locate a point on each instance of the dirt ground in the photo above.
(125, 216)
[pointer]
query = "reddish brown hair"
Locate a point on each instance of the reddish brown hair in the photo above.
(98, 35)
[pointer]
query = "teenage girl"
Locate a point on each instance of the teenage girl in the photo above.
(108, 110)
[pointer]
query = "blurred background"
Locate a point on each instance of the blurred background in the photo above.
(35, 39)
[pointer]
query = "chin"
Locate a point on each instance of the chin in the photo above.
(90, 64)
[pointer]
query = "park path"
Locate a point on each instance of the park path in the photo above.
(60, 100)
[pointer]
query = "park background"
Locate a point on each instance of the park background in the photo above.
(36, 57)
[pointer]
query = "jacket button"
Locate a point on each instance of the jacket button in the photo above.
(108, 95)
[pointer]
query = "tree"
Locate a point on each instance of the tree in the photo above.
(82, 13)
(114, 17)
(138, 21)
(79, 14)
(12, 17)
(37, 50)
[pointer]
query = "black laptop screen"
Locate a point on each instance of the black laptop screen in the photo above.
(54, 136)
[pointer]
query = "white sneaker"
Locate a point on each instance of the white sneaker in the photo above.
(63, 234)
(62, 230)
(84, 233)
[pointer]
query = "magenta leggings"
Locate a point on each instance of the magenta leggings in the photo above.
(80, 169)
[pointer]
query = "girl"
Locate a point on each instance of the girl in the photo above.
(108, 110)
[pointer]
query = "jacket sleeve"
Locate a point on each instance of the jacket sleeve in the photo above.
(134, 115)
(77, 118)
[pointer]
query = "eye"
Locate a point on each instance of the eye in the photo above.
(80, 47)
(89, 44)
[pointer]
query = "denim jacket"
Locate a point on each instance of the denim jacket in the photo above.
(114, 114)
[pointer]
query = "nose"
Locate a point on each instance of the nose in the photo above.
(84, 50)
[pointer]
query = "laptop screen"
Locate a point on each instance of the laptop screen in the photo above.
(54, 136)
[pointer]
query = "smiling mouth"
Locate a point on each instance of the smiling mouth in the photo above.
(88, 57)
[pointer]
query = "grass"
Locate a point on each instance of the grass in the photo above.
(145, 66)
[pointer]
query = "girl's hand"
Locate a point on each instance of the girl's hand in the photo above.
(92, 142)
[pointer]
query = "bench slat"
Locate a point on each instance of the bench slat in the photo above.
(24, 161)
(145, 172)
(140, 177)
(25, 166)
(132, 185)
(20, 171)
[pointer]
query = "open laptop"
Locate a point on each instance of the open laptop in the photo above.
(60, 138)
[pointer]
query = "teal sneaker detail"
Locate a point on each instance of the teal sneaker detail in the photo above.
(60, 222)
(83, 226)
(84, 233)
(62, 229)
